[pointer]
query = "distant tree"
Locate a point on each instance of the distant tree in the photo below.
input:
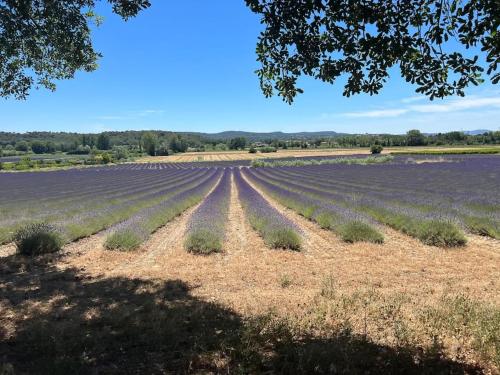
(237, 143)
(103, 142)
(163, 149)
(149, 143)
(178, 143)
(120, 152)
(51, 147)
(376, 149)
(38, 147)
(252, 150)
(415, 138)
(22, 146)
(106, 158)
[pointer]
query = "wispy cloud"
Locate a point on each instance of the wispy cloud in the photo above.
(458, 105)
(447, 106)
(413, 99)
(377, 113)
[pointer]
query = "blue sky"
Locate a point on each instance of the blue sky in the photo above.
(189, 66)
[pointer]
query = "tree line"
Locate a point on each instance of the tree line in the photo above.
(161, 143)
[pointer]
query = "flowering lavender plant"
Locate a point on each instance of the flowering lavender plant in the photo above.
(277, 230)
(205, 232)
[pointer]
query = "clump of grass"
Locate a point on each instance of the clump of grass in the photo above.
(482, 226)
(37, 239)
(440, 233)
(467, 321)
(203, 242)
(123, 240)
(285, 281)
(282, 238)
(357, 231)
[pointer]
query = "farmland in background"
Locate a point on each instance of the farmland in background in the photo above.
(393, 265)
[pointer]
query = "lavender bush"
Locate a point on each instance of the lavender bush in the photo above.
(129, 234)
(205, 232)
(349, 225)
(429, 201)
(277, 230)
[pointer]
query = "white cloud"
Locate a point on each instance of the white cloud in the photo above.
(458, 105)
(377, 113)
(413, 99)
(446, 106)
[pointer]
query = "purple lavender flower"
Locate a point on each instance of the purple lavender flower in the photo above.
(205, 232)
(277, 230)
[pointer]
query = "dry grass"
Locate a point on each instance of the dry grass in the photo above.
(370, 297)
(245, 155)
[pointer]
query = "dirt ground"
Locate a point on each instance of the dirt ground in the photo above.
(249, 279)
(246, 276)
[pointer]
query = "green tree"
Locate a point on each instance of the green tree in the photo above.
(237, 143)
(51, 147)
(106, 158)
(22, 146)
(38, 147)
(103, 142)
(376, 149)
(45, 41)
(415, 138)
(178, 143)
(364, 39)
(149, 143)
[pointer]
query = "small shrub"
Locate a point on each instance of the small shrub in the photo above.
(439, 233)
(376, 149)
(37, 238)
(357, 231)
(325, 220)
(252, 150)
(123, 240)
(285, 281)
(283, 238)
(203, 242)
(482, 226)
(266, 150)
(328, 287)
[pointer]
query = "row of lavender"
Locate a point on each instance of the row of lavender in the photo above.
(276, 230)
(430, 201)
(129, 234)
(206, 228)
(82, 202)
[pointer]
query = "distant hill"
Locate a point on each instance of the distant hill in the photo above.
(256, 137)
(476, 132)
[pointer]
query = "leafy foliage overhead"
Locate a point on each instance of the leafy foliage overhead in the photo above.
(44, 40)
(363, 39)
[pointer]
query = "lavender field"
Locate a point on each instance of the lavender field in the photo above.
(438, 201)
(395, 256)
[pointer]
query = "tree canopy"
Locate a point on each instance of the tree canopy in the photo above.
(363, 39)
(42, 41)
